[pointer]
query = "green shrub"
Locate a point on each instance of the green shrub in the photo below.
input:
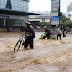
(68, 29)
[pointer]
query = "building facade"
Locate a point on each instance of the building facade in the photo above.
(69, 8)
(40, 19)
(69, 11)
(13, 12)
(19, 5)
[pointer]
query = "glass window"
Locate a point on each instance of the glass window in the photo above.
(12, 22)
(1, 22)
(15, 8)
(2, 2)
(22, 4)
(14, 4)
(2, 6)
(19, 3)
(19, 8)
(5, 3)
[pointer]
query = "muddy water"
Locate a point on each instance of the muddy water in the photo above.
(47, 55)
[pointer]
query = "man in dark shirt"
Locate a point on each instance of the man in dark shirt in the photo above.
(47, 32)
(64, 31)
(30, 35)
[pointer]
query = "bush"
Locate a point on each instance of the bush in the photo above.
(45, 24)
(68, 29)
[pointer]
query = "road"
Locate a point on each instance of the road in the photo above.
(47, 55)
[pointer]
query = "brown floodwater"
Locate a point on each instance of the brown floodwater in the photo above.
(47, 55)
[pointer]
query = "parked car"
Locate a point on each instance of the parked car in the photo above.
(38, 27)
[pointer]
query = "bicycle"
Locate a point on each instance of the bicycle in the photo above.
(19, 42)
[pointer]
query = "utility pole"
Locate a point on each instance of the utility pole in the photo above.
(59, 12)
(59, 5)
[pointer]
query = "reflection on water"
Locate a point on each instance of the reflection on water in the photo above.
(47, 55)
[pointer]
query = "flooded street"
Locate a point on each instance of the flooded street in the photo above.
(47, 55)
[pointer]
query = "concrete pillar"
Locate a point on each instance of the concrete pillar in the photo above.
(4, 21)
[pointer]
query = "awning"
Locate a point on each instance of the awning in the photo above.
(13, 12)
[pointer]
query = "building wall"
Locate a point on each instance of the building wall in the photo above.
(69, 8)
(40, 20)
(12, 20)
(69, 13)
(47, 20)
(35, 20)
(12, 23)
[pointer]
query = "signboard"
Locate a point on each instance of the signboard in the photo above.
(54, 5)
(3, 16)
(54, 22)
(54, 9)
(52, 0)
(55, 18)
(54, 13)
(55, 0)
(26, 0)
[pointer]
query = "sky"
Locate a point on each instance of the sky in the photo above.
(45, 5)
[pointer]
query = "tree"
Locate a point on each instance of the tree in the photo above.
(64, 20)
